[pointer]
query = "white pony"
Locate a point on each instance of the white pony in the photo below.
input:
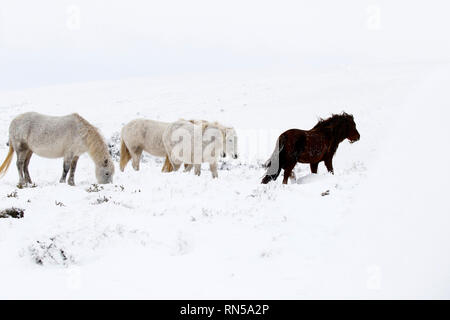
(147, 135)
(195, 142)
(65, 137)
(141, 135)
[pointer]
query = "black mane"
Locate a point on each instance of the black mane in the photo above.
(333, 121)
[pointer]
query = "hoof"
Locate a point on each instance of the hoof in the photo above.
(22, 185)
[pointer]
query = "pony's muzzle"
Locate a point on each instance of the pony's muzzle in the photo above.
(353, 140)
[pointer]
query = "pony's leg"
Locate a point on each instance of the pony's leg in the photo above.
(213, 168)
(272, 172)
(21, 157)
(66, 166)
(171, 165)
(136, 156)
(25, 167)
(167, 166)
(293, 177)
(329, 164)
(176, 166)
(73, 167)
(197, 169)
(188, 167)
(288, 171)
(314, 167)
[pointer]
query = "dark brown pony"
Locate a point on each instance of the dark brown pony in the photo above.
(312, 146)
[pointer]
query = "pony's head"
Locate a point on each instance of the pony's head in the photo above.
(350, 127)
(231, 148)
(98, 150)
(340, 126)
(104, 171)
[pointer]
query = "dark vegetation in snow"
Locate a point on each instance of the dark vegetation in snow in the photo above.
(50, 251)
(12, 213)
(114, 146)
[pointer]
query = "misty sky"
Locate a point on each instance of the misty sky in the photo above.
(57, 41)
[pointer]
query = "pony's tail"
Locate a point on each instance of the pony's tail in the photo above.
(5, 165)
(167, 167)
(273, 165)
(125, 156)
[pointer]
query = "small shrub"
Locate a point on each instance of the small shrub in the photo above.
(16, 213)
(121, 187)
(114, 146)
(102, 200)
(13, 194)
(50, 252)
(94, 188)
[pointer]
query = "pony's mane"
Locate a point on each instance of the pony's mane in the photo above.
(205, 124)
(332, 121)
(95, 143)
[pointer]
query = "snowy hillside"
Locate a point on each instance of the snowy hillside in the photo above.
(378, 228)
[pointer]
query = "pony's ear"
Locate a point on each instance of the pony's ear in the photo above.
(345, 114)
(348, 115)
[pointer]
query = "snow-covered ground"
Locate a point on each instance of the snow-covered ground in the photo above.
(381, 232)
